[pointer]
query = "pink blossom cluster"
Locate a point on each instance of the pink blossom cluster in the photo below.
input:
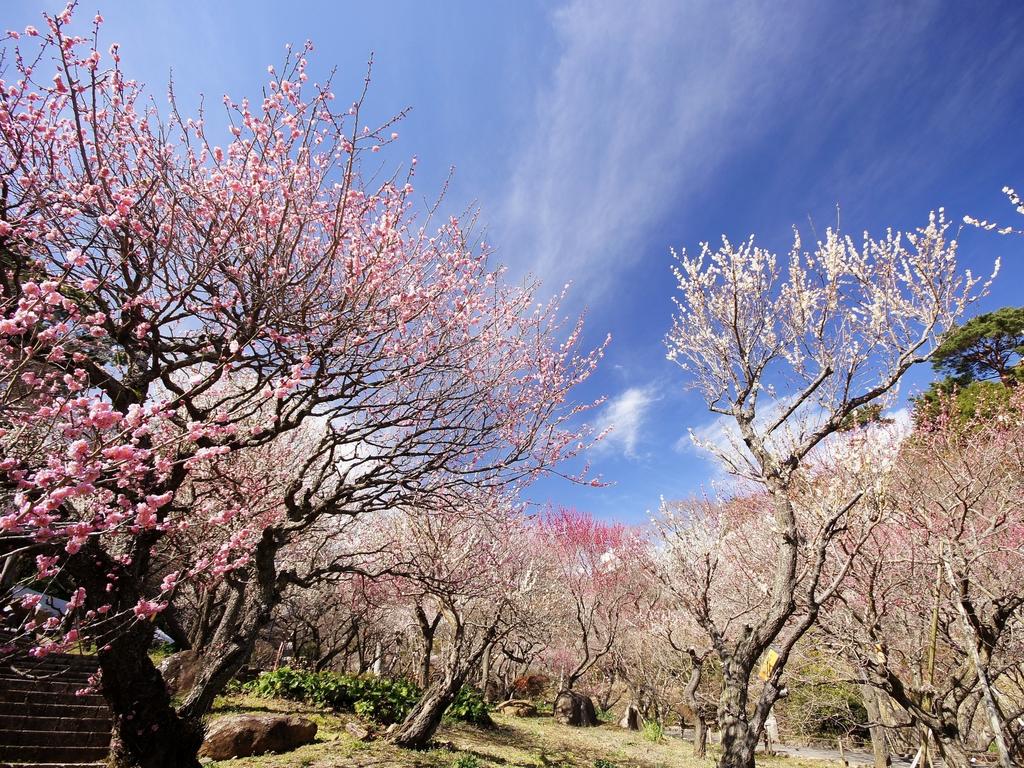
(179, 292)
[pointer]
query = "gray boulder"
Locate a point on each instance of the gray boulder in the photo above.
(630, 719)
(575, 709)
(256, 734)
(517, 708)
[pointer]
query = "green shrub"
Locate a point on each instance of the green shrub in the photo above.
(376, 698)
(602, 763)
(821, 703)
(654, 731)
(283, 683)
(383, 700)
(469, 707)
(465, 761)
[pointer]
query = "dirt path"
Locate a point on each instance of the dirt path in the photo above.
(854, 757)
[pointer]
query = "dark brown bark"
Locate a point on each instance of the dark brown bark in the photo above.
(147, 732)
(249, 610)
(422, 722)
(168, 621)
(428, 628)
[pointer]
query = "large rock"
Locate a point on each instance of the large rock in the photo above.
(630, 719)
(246, 735)
(358, 731)
(179, 671)
(572, 708)
(517, 708)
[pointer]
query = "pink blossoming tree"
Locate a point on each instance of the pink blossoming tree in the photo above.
(933, 607)
(172, 295)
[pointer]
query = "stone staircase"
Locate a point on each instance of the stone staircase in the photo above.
(43, 722)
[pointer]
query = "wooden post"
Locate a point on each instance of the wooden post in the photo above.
(280, 653)
(930, 670)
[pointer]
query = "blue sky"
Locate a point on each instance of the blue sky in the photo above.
(594, 136)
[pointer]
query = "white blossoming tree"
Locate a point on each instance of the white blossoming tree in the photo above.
(789, 351)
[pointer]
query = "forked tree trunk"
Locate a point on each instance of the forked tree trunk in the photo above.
(700, 728)
(248, 611)
(422, 722)
(428, 628)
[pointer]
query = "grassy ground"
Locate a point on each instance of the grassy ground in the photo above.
(516, 743)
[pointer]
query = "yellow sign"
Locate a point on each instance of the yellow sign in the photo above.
(768, 664)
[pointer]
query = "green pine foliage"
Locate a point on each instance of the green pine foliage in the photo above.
(986, 347)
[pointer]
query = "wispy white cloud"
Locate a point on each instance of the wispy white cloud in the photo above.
(643, 108)
(625, 416)
(719, 439)
(640, 107)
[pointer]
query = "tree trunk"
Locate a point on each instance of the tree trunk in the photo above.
(247, 613)
(422, 722)
(879, 747)
(10, 571)
(995, 717)
(200, 634)
(485, 675)
(700, 728)
(167, 620)
(378, 659)
(147, 732)
(428, 628)
(739, 739)
(700, 737)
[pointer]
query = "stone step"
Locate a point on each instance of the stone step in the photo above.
(47, 739)
(55, 685)
(73, 684)
(54, 659)
(43, 719)
(69, 664)
(57, 723)
(21, 674)
(53, 753)
(52, 709)
(71, 677)
(16, 696)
